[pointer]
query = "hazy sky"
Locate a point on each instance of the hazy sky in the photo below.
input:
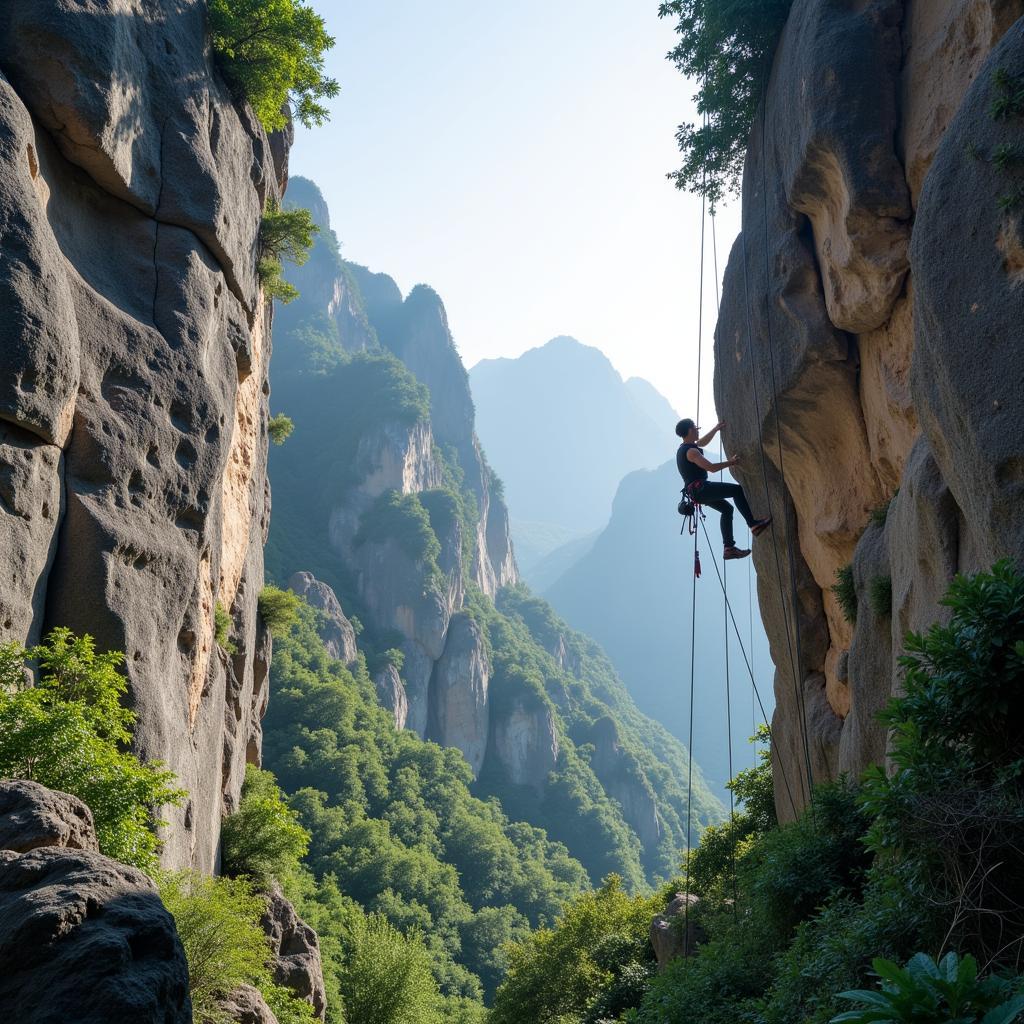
(514, 158)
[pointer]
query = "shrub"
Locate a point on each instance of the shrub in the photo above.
(285, 234)
(274, 285)
(263, 839)
(386, 975)
(279, 608)
(726, 46)
(69, 733)
(953, 810)
(880, 595)
(927, 991)
(222, 629)
(272, 54)
(846, 592)
(280, 428)
(218, 922)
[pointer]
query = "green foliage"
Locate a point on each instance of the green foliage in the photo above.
(1006, 157)
(395, 827)
(1009, 95)
(880, 595)
(402, 518)
(222, 629)
(271, 52)
(280, 428)
(69, 732)
(278, 608)
(386, 976)
(846, 592)
(285, 234)
(594, 960)
(958, 769)
(271, 277)
(218, 922)
(928, 991)
(726, 46)
(713, 863)
(263, 839)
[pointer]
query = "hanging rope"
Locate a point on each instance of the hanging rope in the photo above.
(750, 672)
(693, 602)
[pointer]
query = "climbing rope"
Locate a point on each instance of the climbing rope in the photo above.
(753, 682)
(693, 599)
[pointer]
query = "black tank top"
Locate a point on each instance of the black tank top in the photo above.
(689, 471)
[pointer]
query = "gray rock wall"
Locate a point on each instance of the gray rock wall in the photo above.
(134, 350)
(869, 346)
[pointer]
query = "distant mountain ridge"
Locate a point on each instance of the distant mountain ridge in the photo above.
(632, 591)
(561, 428)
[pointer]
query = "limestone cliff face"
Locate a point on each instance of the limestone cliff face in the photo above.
(870, 336)
(352, 310)
(134, 351)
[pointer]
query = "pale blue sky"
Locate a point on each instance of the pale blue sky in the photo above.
(514, 158)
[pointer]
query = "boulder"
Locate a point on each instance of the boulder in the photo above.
(336, 632)
(675, 933)
(85, 939)
(246, 1005)
(296, 952)
(32, 816)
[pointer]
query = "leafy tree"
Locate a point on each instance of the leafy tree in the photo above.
(726, 46)
(280, 428)
(386, 976)
(272, 53)
(69, 732)
(285, 234)
(278, 608)
(218, 922)
(263, 839)
(556, 975)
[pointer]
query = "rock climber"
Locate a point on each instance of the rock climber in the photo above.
(694, 469)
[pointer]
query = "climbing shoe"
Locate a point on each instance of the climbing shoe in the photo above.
(760, 526)
(735, 552)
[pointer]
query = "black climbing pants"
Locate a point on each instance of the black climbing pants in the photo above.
(714, 495)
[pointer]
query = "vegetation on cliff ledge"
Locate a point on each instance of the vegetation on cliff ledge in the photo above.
(70, 731)
(726, 46)
(272, 54)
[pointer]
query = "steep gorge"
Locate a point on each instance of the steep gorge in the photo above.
(869, 345)
(383, 494)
